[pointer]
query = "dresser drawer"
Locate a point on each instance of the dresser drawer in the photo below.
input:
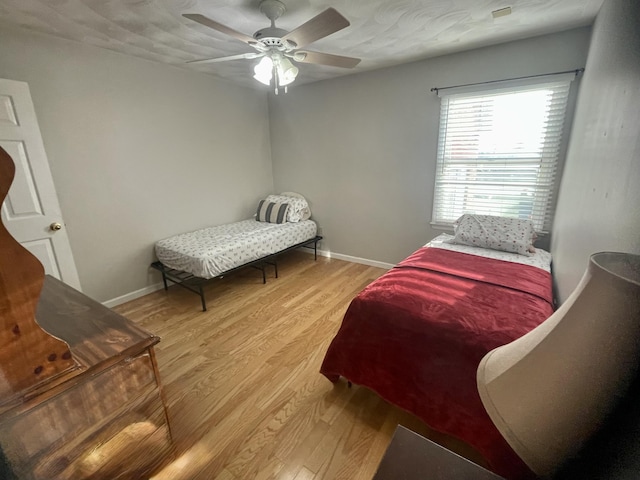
(101, 427)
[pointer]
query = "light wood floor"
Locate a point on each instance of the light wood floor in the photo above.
(244, 395)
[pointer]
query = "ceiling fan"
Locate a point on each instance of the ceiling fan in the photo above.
(276, 46)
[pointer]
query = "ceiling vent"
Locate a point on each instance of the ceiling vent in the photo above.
(501, 12)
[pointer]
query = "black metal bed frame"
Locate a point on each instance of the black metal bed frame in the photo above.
(194, 284)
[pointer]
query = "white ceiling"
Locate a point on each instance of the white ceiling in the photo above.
(382, 32)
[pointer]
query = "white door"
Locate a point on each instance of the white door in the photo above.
(31, 211)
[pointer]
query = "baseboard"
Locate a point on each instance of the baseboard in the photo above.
(133, 295)
(349, 258)
(114, 302)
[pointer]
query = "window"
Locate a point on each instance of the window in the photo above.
(498, 151)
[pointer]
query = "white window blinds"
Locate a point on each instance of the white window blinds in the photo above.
(498, 151)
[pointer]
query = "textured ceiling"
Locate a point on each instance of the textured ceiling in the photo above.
(382, 32)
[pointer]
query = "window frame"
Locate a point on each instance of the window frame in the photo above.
(543, 194)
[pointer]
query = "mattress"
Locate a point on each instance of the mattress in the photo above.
(540, 259)
(210, 252)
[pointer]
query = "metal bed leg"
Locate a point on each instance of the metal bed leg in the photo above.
(181, 278)
(274, 263)
(204, 303)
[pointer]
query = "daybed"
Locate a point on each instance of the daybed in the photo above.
(282, 223)
(416, 335)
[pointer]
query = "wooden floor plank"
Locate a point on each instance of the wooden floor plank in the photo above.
(244, 393)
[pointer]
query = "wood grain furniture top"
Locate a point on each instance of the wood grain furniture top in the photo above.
(97, 334)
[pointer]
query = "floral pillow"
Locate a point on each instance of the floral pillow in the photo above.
(297, 206)
(497, 233)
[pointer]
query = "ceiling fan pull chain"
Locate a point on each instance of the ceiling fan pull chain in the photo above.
(276, 79)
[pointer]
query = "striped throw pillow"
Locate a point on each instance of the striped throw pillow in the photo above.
(272, 212)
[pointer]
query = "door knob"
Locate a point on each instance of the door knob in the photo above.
(55, 226)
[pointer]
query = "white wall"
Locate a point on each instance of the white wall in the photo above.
(362, 148)
(139, 151)
(599, 204)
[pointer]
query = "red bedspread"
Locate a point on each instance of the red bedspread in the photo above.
(417, 334)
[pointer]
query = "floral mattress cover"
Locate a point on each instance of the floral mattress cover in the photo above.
(209, 252)
(541, 258)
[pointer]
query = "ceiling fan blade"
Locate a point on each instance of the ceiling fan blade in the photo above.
(226, 59)
(207, 22)
(326, 59)
(320, 26)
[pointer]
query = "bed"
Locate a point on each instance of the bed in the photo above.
(282, 223)
(416, 335)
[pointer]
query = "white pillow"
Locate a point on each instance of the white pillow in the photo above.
(497, 233)
(298, 207)
(306, 213)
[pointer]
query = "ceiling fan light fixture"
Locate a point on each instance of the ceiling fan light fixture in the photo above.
(264, 70)
(275, 65)
(287, 72)
(276, 44)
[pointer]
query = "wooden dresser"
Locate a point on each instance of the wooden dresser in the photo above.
(80, 394)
